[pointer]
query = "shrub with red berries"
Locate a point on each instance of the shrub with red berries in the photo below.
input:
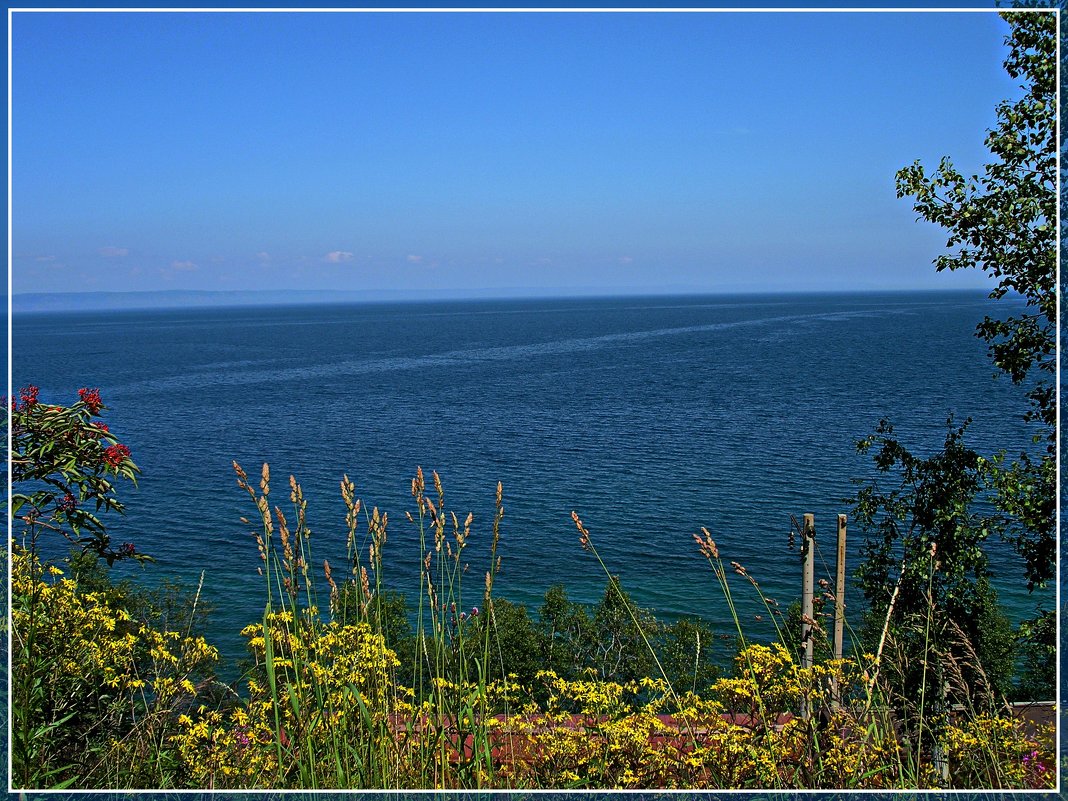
(63, 466)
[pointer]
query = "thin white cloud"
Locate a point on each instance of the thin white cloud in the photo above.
(414, 259)
(263, 255)
(45, 258)
(626, 259)
(184, 266)
(111, 251)
(337, 256)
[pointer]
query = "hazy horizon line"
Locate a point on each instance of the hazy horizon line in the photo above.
(129, 300)
(495, 293)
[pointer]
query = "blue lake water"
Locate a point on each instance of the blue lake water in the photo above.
(651, 417)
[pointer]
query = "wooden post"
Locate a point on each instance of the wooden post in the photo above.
(808, 572)
(839, 589)
(839, 602)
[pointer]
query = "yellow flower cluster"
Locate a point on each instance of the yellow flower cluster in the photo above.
(768, 681)
(330, 655)
(997, 752)
(235, 750)
(589, 697)
(83, 638)
(91, 674)
(316, 684)
(603, 742)
(91, 640)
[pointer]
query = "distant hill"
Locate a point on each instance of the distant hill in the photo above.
(31, 302)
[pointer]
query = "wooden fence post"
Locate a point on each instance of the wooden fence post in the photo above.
(839, 601)
(839, 589)
(808, 570)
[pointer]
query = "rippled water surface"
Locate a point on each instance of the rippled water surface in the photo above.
(651, 417)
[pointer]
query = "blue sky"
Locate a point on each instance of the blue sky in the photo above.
(512, 152)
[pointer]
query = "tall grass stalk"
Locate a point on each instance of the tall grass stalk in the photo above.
(587, 542)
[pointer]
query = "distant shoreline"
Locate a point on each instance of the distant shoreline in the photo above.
(58, 302)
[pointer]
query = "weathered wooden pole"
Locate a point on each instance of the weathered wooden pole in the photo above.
(839, 602)
(808, 573)
(839, 589)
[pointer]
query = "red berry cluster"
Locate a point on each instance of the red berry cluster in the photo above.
(114, 454)
(28, 396)
(91, 399)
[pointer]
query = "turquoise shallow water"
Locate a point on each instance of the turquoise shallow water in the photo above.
(651, 417)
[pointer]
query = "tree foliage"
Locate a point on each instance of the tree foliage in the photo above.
(932, 508)
(924, 554)
(606, 641)
(927, 529)
(1003, 222)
